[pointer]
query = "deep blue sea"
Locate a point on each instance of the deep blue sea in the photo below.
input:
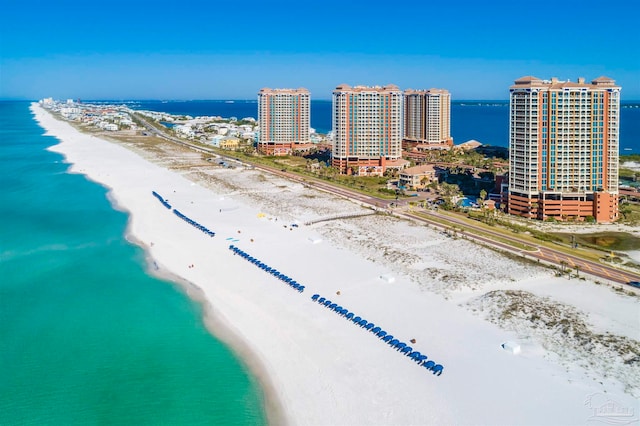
(87, 337)
(484, 121)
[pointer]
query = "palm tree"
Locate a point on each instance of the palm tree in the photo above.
(563, 265)
(449, 193)
(483, 196)
(534, 207)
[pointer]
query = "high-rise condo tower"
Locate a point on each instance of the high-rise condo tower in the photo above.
(427, 122)
(367, 128)
(283, 115)
(563, 149)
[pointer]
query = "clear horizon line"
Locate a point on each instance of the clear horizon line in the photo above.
(237, 99)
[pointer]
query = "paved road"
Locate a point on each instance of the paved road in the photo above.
(541, 253)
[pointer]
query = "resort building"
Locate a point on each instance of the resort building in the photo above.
(418, 177)
(367, 129)
(427, 119)
(563, 149)
(283, 115)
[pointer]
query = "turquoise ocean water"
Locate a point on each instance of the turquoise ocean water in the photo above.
(86, 336)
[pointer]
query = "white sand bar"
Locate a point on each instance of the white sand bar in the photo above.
(319, 369)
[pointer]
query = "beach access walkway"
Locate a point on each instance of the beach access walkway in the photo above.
(340, 216)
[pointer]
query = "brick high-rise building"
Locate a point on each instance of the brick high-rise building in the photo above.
(563, 149)
(367, 128)
(427, 119)
(284, 118)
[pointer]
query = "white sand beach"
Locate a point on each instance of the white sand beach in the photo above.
(579, 341)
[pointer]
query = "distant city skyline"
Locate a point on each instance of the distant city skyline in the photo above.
(206, 50)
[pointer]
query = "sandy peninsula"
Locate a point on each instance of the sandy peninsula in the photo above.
(575, 351)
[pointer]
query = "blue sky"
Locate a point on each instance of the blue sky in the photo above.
(229, 50)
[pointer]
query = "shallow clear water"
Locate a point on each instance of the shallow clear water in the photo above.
(86, 335)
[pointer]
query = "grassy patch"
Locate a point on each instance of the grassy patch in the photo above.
(603, 240)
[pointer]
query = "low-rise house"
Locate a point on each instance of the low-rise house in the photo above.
(230, 143)
(184, 131)
(249, 136)
(215, 140)
(417, 177)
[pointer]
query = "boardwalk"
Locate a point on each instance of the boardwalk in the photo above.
(340, 216)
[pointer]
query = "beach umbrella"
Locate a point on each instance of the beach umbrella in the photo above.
(363, 323)
(382, 333)
(315, 297)
(349, 315)
(332, 306)
(401, 345)
(369, 326)
(357, 320)
(321, 300)
(437, 369)
(376, 330)
(327, 302)
(394, 342)
(301, 288)
(429, 365)
(407, 350)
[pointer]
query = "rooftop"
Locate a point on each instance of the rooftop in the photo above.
(554, 83)
(359, 89)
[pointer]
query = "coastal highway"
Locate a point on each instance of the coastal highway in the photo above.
(540, 253)
(474, 232)
(500, 240)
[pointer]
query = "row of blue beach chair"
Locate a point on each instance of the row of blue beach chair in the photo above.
(162, 200)
(282, 277)
(385, 337)
(194, 223)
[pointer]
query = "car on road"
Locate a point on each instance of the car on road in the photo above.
(635, 284)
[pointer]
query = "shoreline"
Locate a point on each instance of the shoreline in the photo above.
(217, 326)
(221, 330)
(323, 370)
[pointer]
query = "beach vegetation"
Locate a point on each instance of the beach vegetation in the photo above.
(629, 157)
(629, 213)
(562, 329)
